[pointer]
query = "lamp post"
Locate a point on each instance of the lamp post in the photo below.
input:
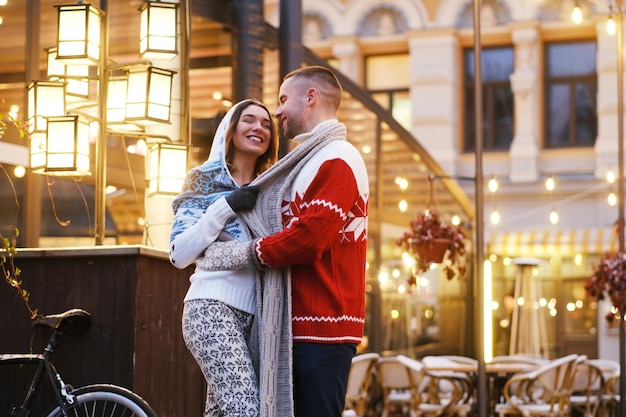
(620, 182)
(478, 122)
(145, 99)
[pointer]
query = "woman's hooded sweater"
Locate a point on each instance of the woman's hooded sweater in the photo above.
(201, 216)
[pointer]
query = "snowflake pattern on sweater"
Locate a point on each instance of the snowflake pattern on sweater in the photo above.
(324, 241)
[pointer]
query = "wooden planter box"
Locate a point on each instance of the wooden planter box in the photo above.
(135, 297)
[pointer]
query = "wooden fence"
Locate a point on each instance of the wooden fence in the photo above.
(135, 298)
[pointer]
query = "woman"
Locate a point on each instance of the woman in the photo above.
(220, 305)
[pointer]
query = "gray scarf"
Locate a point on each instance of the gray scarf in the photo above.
(272, 334)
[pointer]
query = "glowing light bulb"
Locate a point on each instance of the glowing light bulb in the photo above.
(612, 199)
(610, 26)
(554, 217)
(610, 177)
(550, 184)
(495, 217)
(19, 171)
(493, 185)
(577, 15)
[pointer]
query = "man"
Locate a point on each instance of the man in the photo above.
(311, 217)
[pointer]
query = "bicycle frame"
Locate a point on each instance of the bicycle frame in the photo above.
(44, 366)
(91, 400)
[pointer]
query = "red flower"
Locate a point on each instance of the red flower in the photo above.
(609, 279)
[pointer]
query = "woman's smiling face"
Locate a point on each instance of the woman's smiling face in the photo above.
(253, 132)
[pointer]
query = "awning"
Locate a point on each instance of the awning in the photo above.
(548, 242)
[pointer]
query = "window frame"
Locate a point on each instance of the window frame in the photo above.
(572, 82)
(490, 90)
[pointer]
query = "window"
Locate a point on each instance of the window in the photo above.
(571, 86)
(497, 67)
(387, 79)
(398, 103)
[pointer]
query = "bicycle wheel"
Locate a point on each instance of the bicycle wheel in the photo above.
(105, 401)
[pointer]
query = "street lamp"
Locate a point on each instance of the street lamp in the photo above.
(167, 164)
(130, 97)
(157, 39)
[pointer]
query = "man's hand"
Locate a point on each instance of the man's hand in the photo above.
(243, 198)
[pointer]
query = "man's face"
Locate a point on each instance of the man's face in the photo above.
(292, 110)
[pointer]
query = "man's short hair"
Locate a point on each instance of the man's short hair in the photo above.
(323, 80)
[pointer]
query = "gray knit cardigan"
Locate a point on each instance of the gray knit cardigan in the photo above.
(272, 333)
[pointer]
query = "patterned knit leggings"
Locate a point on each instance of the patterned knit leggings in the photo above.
(216, 335)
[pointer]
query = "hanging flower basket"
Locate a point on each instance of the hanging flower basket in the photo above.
(429, 240)
(432, 251)
(609, 280)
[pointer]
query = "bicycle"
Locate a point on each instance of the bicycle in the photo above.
(102, 400)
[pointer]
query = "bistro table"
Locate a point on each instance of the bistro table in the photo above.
(497, 373)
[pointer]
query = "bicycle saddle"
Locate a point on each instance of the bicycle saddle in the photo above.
(70, 321)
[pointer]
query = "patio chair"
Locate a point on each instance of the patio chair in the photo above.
(438, 393)
(545, 391)
(530, 360)
(396, 385)
(465, 360)
(587, 389)
(358, 383)
(610, 406)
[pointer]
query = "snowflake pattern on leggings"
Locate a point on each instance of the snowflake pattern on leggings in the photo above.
(216, 335)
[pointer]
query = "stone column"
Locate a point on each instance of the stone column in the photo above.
(434, 94)
(606, 142)
(524, 150)
(349, 57)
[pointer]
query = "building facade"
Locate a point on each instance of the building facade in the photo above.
(550, 139)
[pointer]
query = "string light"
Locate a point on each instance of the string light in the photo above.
(577, 15)
(610, 23)
(401, 182)
(554, 217)
(612, 199)
(610, 177)
(550, 184)
(493, 185)
(19, 171)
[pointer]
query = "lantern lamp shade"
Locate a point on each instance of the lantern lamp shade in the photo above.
(116, 99)
(148, 95)
(157, 39)
(38, 147)
(56, 68)
(76, 76)
(167, 167)
(45, 99)
(64, 149)
(78, 37)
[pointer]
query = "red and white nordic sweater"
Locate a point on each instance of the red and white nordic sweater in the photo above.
(324, 241)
